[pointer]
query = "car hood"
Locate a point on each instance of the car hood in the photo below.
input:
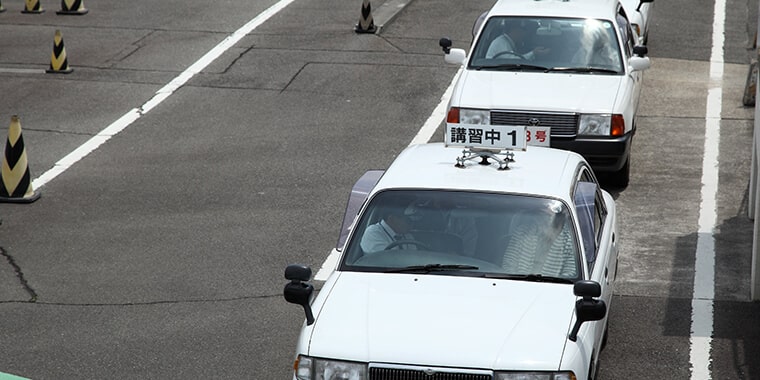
(537, 91)
(440, 320)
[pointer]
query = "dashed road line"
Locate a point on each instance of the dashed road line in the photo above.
(165, 92)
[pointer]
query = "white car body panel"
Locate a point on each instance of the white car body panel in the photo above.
(426, 319)
(558, 92)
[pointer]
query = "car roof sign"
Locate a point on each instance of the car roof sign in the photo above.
(499, 137)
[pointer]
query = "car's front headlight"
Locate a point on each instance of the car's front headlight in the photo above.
(308, 368)
(568, 375)
(595, 125)
(474, 116)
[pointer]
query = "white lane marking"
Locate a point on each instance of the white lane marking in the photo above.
(438, 115)
(127, 119)
(422, 137)
(21, 71)
(704, 266)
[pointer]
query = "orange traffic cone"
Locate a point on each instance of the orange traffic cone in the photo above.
(17, 184)
(32, 6)
(58, 62)
(72, 7)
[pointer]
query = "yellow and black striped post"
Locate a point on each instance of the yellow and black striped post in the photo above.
(32, 6)
(17, 183)
(72, 7)
(366, 23)
(58, 61)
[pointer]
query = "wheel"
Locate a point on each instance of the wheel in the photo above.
(510, 53)
(415, 243)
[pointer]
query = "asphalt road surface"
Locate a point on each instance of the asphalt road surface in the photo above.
(178, 180)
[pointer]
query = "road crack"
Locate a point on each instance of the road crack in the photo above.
(20, 275)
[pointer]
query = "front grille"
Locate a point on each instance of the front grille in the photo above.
(561, 124)
(415, 374)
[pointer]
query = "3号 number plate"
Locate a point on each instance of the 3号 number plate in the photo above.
(538, 136)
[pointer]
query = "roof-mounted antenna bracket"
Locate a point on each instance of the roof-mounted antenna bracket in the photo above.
(484, 155)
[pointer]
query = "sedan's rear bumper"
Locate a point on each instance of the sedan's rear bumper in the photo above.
(604, 155)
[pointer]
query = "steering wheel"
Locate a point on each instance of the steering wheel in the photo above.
(415, 243)
(499, 54)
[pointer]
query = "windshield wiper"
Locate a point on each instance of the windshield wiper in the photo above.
(513, 67)
(536, 277)
(431, 268)
(585, 69)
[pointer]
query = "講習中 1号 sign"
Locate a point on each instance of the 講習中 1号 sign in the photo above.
(506, 137)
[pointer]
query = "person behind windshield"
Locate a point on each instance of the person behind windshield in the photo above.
(394, 226)
(597, 50)
(446, 217)
(542, 244)
(513, 42)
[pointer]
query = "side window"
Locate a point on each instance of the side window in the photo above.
(591, 212)
(626, 32)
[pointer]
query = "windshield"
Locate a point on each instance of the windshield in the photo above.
(586, 46)
(465, 233)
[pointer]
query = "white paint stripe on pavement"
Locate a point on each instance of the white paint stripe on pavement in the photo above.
(21, 71)
(438, 115)
(127, 119)
(704, 266)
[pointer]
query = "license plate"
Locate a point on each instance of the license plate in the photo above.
(538, 136)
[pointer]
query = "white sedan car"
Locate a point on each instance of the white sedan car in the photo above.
(570, 70)
(639, 12)
(465, 263)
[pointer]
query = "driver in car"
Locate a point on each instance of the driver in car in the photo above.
(512, 42)
(392, 228)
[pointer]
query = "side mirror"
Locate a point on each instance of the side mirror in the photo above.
(588, 308)
(640, 50)
(457, 56)
(445, 44)
(297, 291)
(639, 63)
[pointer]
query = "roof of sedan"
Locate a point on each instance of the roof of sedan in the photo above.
(601, 9)
(536, 171)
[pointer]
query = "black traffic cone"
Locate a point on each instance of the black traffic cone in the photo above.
(32, 6)
(72, 7)
(17, 184)
(58, 61)
(366, 24)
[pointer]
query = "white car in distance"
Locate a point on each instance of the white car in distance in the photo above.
(571, 71)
